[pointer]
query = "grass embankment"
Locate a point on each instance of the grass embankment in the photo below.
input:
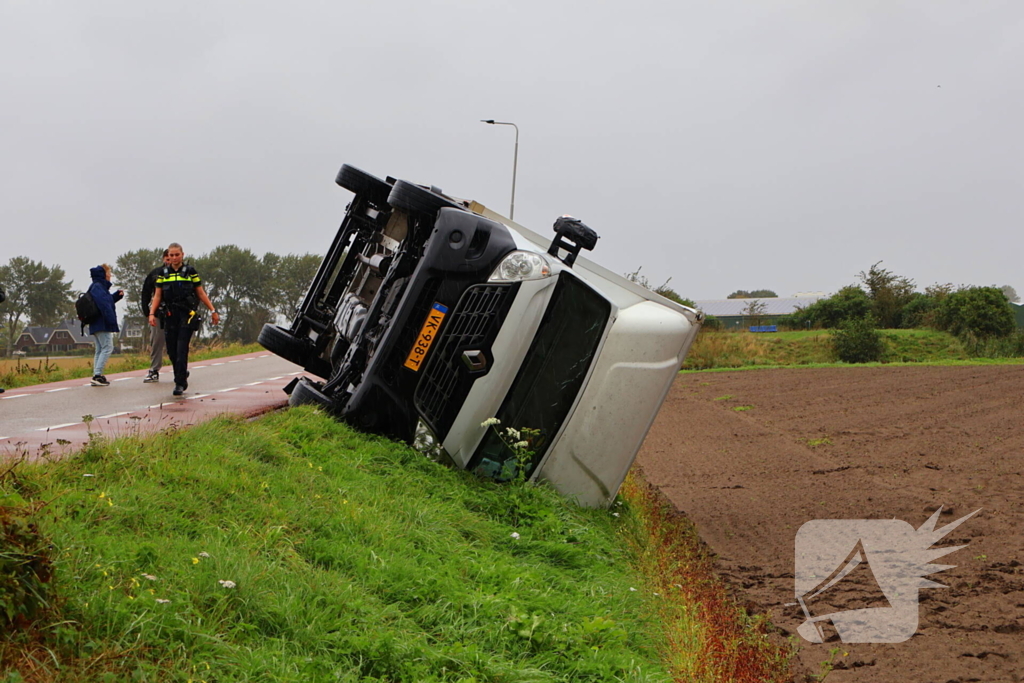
(23, 372)
(717, 350)
(295, 549)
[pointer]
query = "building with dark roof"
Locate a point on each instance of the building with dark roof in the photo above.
(64, 338)
(735, 314)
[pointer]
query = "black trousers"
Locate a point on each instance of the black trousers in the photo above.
(178, 336)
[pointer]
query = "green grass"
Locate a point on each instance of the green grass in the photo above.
(32, 371)
(352, 559)
(716, 350)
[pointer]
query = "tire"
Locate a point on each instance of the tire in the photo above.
(414, 199)
(306, 393)
(362, 183)
(283, 343)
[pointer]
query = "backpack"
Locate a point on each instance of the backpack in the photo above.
(86, 309)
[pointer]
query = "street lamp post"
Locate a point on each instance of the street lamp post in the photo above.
(515, 162)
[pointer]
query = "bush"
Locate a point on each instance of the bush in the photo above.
(980, 312)
(711, 323)
(1009, 346)
(849, 303)
(857, 341)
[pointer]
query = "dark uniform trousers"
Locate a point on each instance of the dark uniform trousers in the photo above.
(178, 335)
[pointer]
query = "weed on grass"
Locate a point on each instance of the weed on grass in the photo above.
(709, 637)
(295, 549)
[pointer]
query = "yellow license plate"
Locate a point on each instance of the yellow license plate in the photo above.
(428, 333)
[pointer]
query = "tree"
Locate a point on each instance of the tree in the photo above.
(754, 310)
(849, 303)
(242, 289)
(664, 290)
(130, 271)
(292, 276)
(1010, 293)
(981, 312)
(889, 293)
(35, 294)
(753, 294)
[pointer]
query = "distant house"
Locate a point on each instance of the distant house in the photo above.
(64, 338)
(134, 335)
(735, 314)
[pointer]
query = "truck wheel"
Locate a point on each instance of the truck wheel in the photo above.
(306, 393)
(280, 341)
(362, 183)
(414, 199)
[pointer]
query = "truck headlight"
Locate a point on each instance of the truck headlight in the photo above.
(521, 265)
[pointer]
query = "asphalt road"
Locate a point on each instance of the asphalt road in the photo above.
(51, 418)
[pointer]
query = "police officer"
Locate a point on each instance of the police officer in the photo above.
(180, 290)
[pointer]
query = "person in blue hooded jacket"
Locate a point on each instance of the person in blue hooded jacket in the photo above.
(105, 327)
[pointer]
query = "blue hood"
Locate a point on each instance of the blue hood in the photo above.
(98, 274)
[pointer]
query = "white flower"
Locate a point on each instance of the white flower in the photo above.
(227, 584)
(204, 554)
(88, 475)
(161, 601)
(615, 514)
(490, 422)
(514, 433)
(522, 444)
(515, 535)
(632, 590)
(149, 576)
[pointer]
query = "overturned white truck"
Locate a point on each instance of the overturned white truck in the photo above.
(431, 314)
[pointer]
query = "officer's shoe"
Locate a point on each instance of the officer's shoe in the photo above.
(178, 390)
(152, 376)
(99, 381)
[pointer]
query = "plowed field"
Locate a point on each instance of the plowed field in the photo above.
(751, 456)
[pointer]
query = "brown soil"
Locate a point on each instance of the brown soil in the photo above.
(860, 443)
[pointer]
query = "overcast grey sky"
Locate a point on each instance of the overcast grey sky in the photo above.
(731, 144)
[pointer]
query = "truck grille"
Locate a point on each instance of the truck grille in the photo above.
(473, 325)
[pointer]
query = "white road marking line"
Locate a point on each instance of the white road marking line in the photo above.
(250, 358)
(252, 384)
(4, 438)
(192, 398)
(4, 398)
(265, 355)
(158, 405)
(221, 391)
(216, 364)
(196, 367)
(274, 379)
(292, 374)
(66, 424)
(107, 417)
(234, 361)
(124, 379)
(50, 391)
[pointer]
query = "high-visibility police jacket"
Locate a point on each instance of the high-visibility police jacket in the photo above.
(178, 288)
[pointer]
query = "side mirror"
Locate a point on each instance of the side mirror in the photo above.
(572, 235)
